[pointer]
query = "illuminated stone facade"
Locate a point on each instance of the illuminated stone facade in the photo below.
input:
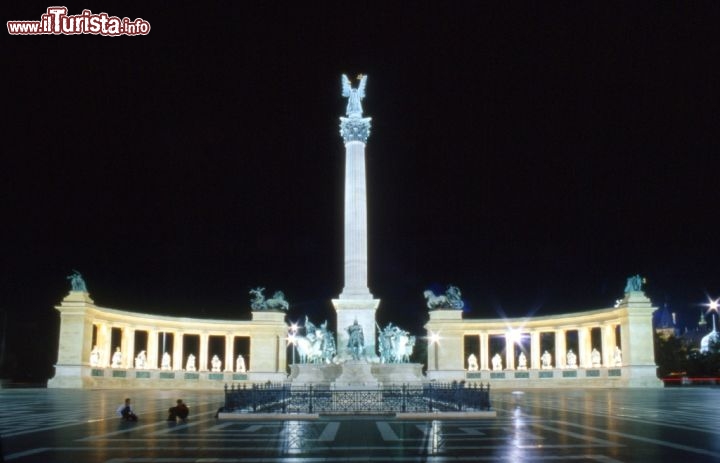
(82, 322)
(595, 329)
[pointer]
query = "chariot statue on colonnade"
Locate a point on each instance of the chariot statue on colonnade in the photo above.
(77, 283)
(277, 302)
(450, 300)
(634, 283)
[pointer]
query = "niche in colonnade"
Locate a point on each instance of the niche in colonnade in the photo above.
(241, 346)
(191, 345)
(497, 345)
(547, 343)
(571, 342)
(471, 343)
(94, 335)
(141, 341)
(216, 346)
(522, 344)
(115, 339)
(165, 343)
(596, 339)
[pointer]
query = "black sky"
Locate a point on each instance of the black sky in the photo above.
(535, 155)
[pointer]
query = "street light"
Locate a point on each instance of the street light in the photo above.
(514, 336)
(435, 340)
(713, 308)
(293, 333)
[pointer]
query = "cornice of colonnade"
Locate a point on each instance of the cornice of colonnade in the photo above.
(77, 302)
(595, 317)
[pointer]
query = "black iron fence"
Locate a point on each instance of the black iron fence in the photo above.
(285, 398)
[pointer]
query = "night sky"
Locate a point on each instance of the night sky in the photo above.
(534, 155)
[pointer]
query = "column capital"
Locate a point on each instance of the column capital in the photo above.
(355, 129)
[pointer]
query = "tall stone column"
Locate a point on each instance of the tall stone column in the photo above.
(509, 353)
(535, 350)
(229, 338)
(203, 360)
(584, 348)
(128, 346)
(152, 350)
(177, 356)
(103, 342)
(355, 303)
(608, 343)
(484, 351)
(560, 350)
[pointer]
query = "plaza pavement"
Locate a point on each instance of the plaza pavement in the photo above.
(606, 425)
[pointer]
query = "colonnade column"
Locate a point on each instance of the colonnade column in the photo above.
(203, 352)
(560, 349)
(152, 350)
(608, 344)
(484, 351)
(104, 341)
(128, 346)
(583, 347)
(535, 350)
(229, 354)
(509, 353)
(177, 356)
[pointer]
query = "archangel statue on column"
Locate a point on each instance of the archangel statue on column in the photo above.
(354, 95)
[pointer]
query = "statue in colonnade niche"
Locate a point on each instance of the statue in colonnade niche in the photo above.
(395, 345)
(141, 360)
(77, 284)
(116, 358)
(240, 364)
(216, 363)
(95, 357)
(450, 300)
(277, 302)
(497, 362)
(522, 361)
(617, 357)
(571, 359)
(595, 358)
(190, 365)
(472, 363)
(546, 360)
(165, 363)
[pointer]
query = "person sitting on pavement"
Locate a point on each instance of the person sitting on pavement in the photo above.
(126, 412)
(180, 411)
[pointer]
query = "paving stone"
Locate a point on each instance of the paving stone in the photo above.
(614, 425)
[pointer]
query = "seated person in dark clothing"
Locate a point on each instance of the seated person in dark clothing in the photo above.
(178, 411)
(126, 412)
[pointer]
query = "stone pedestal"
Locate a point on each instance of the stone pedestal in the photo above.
(389, 374)
(362, 310)
(304, 374)
(72, 367)
(267, 349)
(356, 374)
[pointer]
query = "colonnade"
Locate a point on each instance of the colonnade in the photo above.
(608, 347)
(86, 343)
(154, 349)
(622, 335)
